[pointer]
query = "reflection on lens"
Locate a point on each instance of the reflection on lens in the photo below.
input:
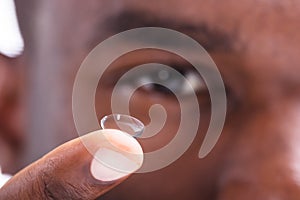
(124, 123)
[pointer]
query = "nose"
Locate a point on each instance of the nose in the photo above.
(264, 158)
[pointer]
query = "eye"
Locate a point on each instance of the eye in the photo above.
(171, 80)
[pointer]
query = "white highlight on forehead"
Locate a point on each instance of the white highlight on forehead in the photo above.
(11, 41)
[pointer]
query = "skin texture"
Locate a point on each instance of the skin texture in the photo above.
(257, 156)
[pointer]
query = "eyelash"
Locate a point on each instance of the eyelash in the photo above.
(172, 82)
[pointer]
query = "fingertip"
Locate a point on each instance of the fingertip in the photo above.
(118, 155)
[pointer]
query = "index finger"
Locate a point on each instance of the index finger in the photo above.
(72, 172)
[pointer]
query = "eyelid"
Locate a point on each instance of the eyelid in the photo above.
(11, 41)
(193, 81)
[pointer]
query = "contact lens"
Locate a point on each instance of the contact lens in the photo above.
(124, 123)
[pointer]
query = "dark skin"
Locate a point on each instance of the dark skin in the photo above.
(255, 46)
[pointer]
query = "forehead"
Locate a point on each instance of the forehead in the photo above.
(242, 19)
(228, 15)
(258, 35)
(267, 26)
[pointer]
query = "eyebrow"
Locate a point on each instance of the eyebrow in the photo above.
(212, 39)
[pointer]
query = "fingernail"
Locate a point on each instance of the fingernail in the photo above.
(119, 156)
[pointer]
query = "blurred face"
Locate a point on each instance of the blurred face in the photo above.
(254, 45)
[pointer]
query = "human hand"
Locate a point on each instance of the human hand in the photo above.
(72, 172)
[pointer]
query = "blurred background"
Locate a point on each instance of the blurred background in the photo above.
(36, 107)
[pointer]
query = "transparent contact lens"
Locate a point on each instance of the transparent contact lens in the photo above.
(124, 123)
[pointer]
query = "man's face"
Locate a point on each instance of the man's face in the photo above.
(254, 45)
